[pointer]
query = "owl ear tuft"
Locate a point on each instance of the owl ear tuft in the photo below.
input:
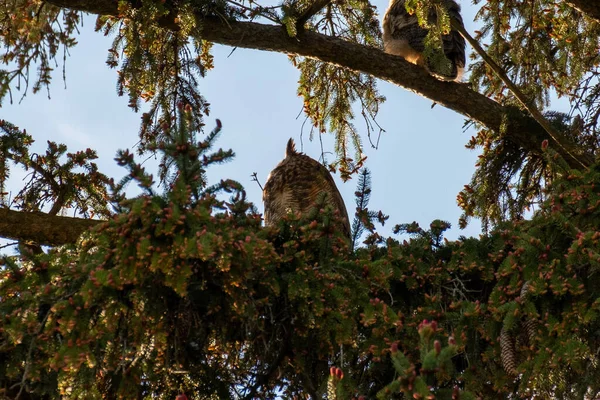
(290, 150)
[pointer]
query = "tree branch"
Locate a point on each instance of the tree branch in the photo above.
(519, 127)
(99, 7)
(42, 228)
(529, 106)
(591, 8)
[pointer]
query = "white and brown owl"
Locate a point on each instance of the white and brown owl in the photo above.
(403, 36)
(296, 184)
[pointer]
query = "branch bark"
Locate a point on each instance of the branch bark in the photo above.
(42, 228)
(591, 8)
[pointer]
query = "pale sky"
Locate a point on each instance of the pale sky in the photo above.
(418, 170)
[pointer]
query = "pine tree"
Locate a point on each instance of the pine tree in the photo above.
(179, 292)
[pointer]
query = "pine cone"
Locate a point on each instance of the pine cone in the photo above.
(530, 324)
(507, 352)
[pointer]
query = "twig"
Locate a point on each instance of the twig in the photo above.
(458, 287)
(9, 244)
(314, 8)
(255, 179)
(256, 11)
(262, 379)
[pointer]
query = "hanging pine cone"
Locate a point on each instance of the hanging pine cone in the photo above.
(507, 352)
(525, 290)
(530, 324)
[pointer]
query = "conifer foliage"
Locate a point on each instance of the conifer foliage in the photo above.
(180, 292)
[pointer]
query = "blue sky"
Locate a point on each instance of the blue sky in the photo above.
(419, 168)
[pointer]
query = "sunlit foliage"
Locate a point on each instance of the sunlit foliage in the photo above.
(181, 291)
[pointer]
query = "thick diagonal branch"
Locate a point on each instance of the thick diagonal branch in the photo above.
(519, 127)
(529, 105)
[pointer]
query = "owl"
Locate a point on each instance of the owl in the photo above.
(296, 184)
(403, 36)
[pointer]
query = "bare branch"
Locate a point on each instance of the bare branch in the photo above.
(255, 179)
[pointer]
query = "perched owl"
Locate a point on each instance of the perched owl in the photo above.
(296, 184)
(403, 36)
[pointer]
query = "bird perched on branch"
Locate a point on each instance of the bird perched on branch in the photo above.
(296, 185)
(403, 36)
